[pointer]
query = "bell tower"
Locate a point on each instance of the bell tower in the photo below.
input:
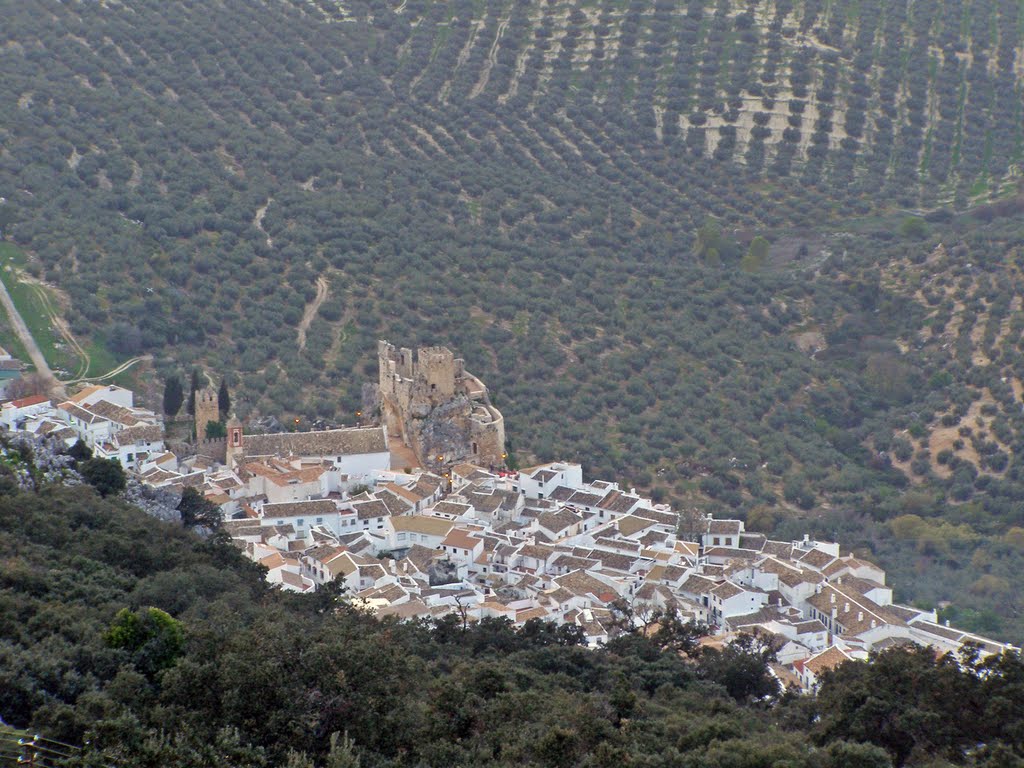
(234, 449)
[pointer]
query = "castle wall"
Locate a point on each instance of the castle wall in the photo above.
(437, 367)
(215, 449)
(489, 440)
(437, 408)
(207, 410)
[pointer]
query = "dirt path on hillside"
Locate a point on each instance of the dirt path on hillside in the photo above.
(62, 327)
(257, 220)
(492, 59)
(25, 336)
(115, 371)
(322, 288)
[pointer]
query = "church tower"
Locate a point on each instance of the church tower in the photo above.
(234, 448)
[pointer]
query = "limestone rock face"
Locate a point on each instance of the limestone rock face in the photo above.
(445, 431)
(161, 503)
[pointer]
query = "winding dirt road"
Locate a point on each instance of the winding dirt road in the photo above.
(113, 372)
(25, 336)
(311, 310)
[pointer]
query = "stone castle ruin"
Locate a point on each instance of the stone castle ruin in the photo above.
(440, 411)
(207, 410)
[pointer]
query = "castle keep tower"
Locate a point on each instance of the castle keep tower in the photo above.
(207, 410)
(437, 409)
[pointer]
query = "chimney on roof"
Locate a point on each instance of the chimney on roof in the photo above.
(833, 597)
(860, 615)
(846, 607)
(873, 624)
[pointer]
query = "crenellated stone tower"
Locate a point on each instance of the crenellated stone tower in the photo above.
(440, 411)
(207, 410)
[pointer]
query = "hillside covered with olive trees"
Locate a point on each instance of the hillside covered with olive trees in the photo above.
(761, 257)
(128, 642)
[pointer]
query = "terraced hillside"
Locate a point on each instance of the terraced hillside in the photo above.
(571, 194)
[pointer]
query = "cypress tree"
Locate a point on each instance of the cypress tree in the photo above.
(173, 395)
(223, 400)
(192, 389)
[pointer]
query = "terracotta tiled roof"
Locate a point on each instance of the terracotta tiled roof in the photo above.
(571, 562)
(778, 549)
(90, 390)
(583, 584)
(531, 613)
(557, 522)
(426, 524)
(827, 659)
(366, 510)
(663, 518)
(561, 493)
(854, 612)
(76, 411)
(863, 586)
(731, 553)
(536, 551)
(331, 442)
(306, 475)
(414, 607)
(816, 559)
(460, 539)
(395, 504)
(451, 508)
(294, 508)
(617, 501)
(142, 433)
(25, 402)
(272, 561)
(632, 524)
(613, 560)
(725, 527)
(697, 585)
(584, 499)
(409, 495)
(295, 580)
(726, 589)
(421, 557)
(624, 545)
(807, 627)
(116, 413)
(753, 541)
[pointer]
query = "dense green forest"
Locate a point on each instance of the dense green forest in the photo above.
(154, 648)
(762, 257)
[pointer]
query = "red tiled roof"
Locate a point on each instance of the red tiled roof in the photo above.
(25, 402)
